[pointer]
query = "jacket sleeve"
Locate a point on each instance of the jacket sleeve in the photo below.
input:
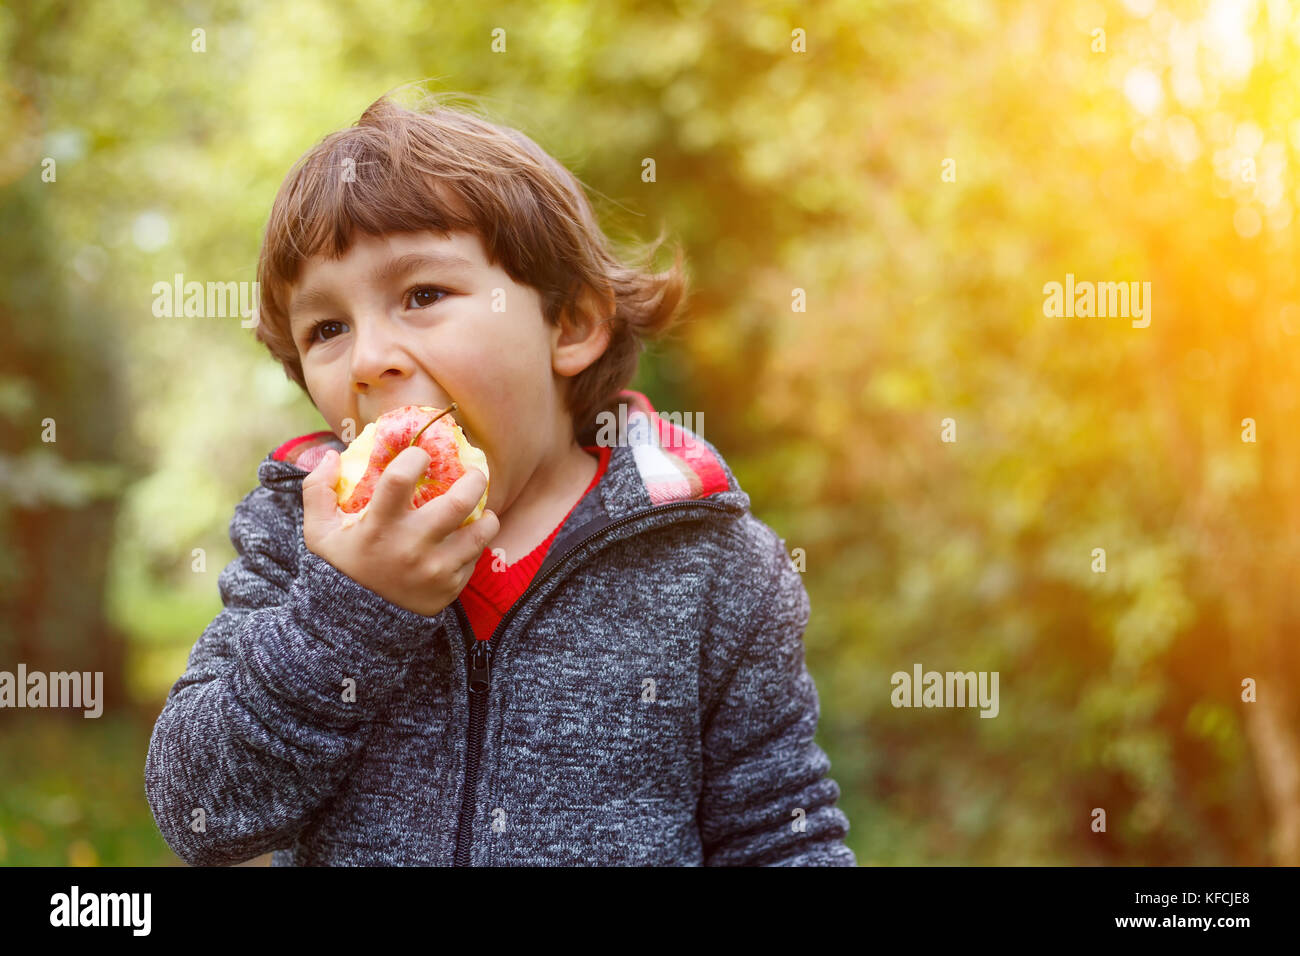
(261, 728)
(766, 799)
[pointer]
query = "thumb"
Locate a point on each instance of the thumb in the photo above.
(319, 500)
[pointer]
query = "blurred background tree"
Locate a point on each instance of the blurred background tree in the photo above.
(797, 147)
(61, 411)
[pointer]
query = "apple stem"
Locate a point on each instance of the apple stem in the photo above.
(449, 408)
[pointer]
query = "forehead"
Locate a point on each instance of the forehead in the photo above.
(377, 259)
(463, 249)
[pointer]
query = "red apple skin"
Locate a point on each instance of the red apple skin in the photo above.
(449, 452)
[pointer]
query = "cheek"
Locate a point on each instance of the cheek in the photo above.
(325, 394)
(503, 351)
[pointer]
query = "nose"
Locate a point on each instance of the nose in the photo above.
(377, 353)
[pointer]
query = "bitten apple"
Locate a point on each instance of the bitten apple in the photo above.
(383, 440)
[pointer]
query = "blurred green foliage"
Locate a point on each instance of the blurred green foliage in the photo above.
(819, 171)
(73, 793)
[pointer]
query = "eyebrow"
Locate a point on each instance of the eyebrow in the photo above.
(394, 268)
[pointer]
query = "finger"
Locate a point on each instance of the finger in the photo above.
(396, 486)
(465, 545)
(319, 501)
(444, 514)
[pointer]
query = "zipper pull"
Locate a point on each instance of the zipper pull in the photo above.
(480, 667)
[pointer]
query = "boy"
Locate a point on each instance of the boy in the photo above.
(605, 668)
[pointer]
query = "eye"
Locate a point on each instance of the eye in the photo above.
(421, 297)
(315, 329)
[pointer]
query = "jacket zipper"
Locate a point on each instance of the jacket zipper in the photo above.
(479, 667)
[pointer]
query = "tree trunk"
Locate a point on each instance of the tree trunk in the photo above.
(1272, 728)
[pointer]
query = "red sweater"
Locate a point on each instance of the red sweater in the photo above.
(489, 594)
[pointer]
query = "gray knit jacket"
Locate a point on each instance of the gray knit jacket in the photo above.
(645, 702)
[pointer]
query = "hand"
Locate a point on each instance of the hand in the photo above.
(417, 558)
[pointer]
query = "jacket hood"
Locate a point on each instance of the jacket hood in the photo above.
(653, 461)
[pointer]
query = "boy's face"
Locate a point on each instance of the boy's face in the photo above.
(408, 319)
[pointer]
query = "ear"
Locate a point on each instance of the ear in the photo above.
(582, 334)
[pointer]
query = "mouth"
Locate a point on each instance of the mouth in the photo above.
(393, 406)
(471, 438)
(457, 416)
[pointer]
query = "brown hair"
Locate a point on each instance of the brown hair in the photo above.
(445, 169)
